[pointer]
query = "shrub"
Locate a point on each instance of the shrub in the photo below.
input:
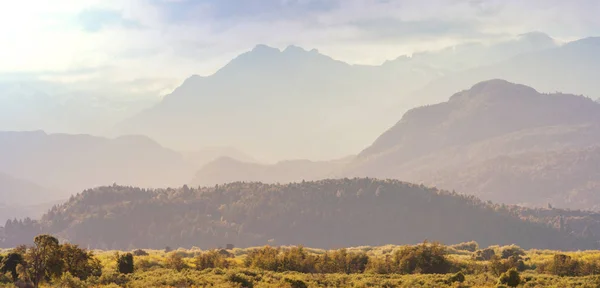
(295, 283)
(125, 263)
(484, 254)
(175, 261)
(458, 277)
(140, 252)
(210, 259)
(471, 246)
(510, 278)
(242, 279)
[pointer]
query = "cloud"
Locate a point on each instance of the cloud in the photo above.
(93, 20)
(169, 39)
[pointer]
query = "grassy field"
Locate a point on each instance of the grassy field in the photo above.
(180, 268)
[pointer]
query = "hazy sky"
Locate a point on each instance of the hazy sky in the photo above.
(168, 40)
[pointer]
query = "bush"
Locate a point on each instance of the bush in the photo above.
(295, 283)
(471, 246)
(125, 263)
(458, 277)
(242, 279)
(68, 280)
(210, 259)
(484, 254)
(510, 251)
(510, 278)
(175, 261)
(140, 252)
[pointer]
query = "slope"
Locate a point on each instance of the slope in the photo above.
(500, 141)
(325, 214)
(72, 163)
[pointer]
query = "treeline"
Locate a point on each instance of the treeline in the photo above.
(324, 214)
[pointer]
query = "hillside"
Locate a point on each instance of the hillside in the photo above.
(324, 214)
(499, 141)
(71, 163)
(21, 199)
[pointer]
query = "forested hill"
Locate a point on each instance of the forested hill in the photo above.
(325, 214)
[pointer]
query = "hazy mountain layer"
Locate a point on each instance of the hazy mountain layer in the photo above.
(71, 163)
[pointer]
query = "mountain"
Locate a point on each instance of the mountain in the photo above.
(276, 102)
(17, 191)
(498, 140)
(21, 199)
(71, 163)
(226, 170)
(567, 68)
(303, 104)
(325, 214)
(471, 55)
(206, 155)
(28, 104)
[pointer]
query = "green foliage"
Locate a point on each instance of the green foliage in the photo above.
(78, 262)
(563, 265)
(510, 251)
(241, 279)
(426, 258)
(470, 246)
(511, 278)
(175, 261)
(484, 254)
(295, 283)
(125, 263)
(211, 259)
(458, 277)
(140, 252)
(9, 264)
(251, 214)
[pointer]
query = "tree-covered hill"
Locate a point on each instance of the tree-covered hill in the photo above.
(324, 214)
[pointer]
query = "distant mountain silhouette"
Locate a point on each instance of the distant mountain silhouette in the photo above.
(71, 163)
(280, 104)
(226, 170)
(498, 140)
(21, 198)
(206, 155)
(17, 191)
(470, 55)
(302, 104)
(568, 68)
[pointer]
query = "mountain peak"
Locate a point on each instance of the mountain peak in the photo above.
(262, 48)
(294, 49)
(493, 88)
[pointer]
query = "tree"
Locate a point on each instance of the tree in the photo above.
(79, 262)
(9, 264)
(510, 278)
(125, 263)
(42, 261)
(210, 259)
(175, 261)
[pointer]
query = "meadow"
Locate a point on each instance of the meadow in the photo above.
(423, 265)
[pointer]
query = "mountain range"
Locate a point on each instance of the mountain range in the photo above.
(294, 103)
(498, 140)
(71, 163)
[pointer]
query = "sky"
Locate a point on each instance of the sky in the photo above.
(92, 42)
